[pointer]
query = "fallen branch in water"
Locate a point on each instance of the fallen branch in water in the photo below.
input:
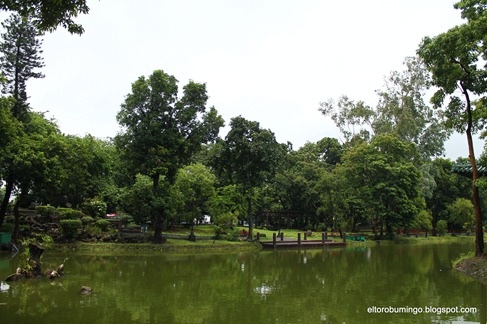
(33, 268)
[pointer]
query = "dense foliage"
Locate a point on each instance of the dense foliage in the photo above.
(169, 165)
(49, 14)
(456, 60)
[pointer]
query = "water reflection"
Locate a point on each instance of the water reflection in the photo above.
(4, 286)
(482, 303)
(311, 286)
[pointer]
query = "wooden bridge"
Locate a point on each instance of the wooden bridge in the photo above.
(278, 241)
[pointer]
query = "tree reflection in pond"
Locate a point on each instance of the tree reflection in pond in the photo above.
(310, 286)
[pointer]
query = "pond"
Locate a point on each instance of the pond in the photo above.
(377, 284)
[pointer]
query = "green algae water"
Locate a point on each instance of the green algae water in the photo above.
(379, 284)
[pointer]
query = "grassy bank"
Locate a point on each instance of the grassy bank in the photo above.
(473, 266)
(171, 246)
(209, 230)
(433, 239)
(211, 246)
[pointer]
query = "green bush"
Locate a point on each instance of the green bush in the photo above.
(232, 235)
(47, 211)
(103, 224)
(87, 220)
(6, 227)
(441, 227)
(126, 219)
(71, 228)
(69, 213)
(95, 207)
(321, 227)
(93, 230)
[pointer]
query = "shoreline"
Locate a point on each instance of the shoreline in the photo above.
(474, 267)
(168, 247)
(208, 246)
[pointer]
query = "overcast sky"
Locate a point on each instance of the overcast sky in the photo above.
(271, 61)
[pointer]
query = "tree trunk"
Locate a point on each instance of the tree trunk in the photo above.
(374, 227)
(156, 214)
(479, 232)
(158, 230)
(16, 222)
(249, 216)
(482, 301)
(8, 192)
(35, 258)
(381, 227)
(20, 199)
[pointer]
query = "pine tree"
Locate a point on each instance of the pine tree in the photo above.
(21, 57)
(20, 49)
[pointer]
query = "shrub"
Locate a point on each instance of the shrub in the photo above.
(95, 207)
(93, 230)
(71, 228)
(232, 235)
(441, 227)
(87, 220)
(69, 213)
(102, 224)
(6, 227)
(47, 211)
(126, 219)
(321, 227)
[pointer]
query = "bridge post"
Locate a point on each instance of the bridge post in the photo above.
(299, 238)
(274, 240)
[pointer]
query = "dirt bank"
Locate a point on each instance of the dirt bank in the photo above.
(475, 267)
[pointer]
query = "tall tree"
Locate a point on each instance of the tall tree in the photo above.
(37, 162)
(20, 49)
(401, 110)
(193, 188)
(456, 60)
(250, 158)
(462, 214)
(353, 119)
(226, 205)
(162, 132)
(20, 60)
(85, 168)
(449, 186)
(47, 15)
(137, 199)
(10, 134)
(300, 178)
(385, 180)
(33, 158)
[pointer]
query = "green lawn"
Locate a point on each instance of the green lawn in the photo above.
(202, 230)
(209, 230)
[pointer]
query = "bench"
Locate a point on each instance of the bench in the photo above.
(359, 238)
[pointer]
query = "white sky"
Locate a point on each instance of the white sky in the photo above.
(271, 61)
